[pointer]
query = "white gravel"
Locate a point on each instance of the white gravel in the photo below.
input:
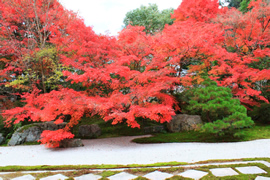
(121, 151)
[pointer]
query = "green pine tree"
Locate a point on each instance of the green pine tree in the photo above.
(222, 113)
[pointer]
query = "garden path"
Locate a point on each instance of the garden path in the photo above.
(121, 150)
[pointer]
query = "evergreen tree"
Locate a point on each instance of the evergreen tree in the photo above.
(150, 17)
(218, 108)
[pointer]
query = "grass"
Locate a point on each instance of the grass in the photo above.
(121, 129)
(141, 178)
(232, 160)
(174, 163)
(210, 176)
(80, 167)
(109, 130)
(237, 177)
(108, 173)
(63, 167)
(173, 170)
(256, 132)
(108, 166)
(179, 178)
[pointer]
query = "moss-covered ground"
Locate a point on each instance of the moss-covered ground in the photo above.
(141, 170)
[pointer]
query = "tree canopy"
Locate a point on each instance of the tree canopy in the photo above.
(149, 17)
(242, 5)
(136, 74)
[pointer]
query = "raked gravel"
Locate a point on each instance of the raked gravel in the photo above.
(121, 150)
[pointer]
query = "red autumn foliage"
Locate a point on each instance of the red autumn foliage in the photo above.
(133, 84)
(52, 138)
(134, 74)
(28, 27)
(229, 46)
(200, 10)
(247, 35)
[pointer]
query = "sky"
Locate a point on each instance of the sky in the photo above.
(106, 16)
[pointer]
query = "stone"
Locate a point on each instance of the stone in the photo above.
(262, 178)
(153, 129)
(157, 175)
(220, 172)
(25, 177)
(250, 170)
(88, 177)
(2, 139)
(66, 143)
(89, 131)
(52, 126)
(54, 177)
(24, 133)
(122, 176)
(32, 132)
(194, 174)
(184, 122)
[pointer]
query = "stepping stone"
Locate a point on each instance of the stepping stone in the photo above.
(250, 170)
(262, 178)
(194, 174)
(88, 177)
(25, 177)
(122, 176)
(220, 172)
(157, 175)
(54, 177)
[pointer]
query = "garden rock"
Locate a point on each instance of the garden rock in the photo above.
(184, 122)
(89, 131)
(32, 132)
(66, 143)
(2, 139)
(52, 126)
(153, 129)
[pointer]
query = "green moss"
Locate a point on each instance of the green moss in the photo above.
(27, 127)
(77, 167)
(45, 174)
(63, 167)
(70, 178)
(31, 143)
(142, 170)
(173, 163)
(173, 170)
(104, 178)
(140, 178)
(108, 173)
(178, 178)
(256, 159)
(237, 177)
(109, 130)
(256, 132)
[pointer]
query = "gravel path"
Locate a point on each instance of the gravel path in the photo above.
(121, 151)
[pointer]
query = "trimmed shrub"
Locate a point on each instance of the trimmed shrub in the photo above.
(218, 108)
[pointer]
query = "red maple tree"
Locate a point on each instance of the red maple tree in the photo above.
(227, 44)
(134, 74)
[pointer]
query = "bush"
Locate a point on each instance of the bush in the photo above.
(261, 114)
(217, 107)
(8, 131)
